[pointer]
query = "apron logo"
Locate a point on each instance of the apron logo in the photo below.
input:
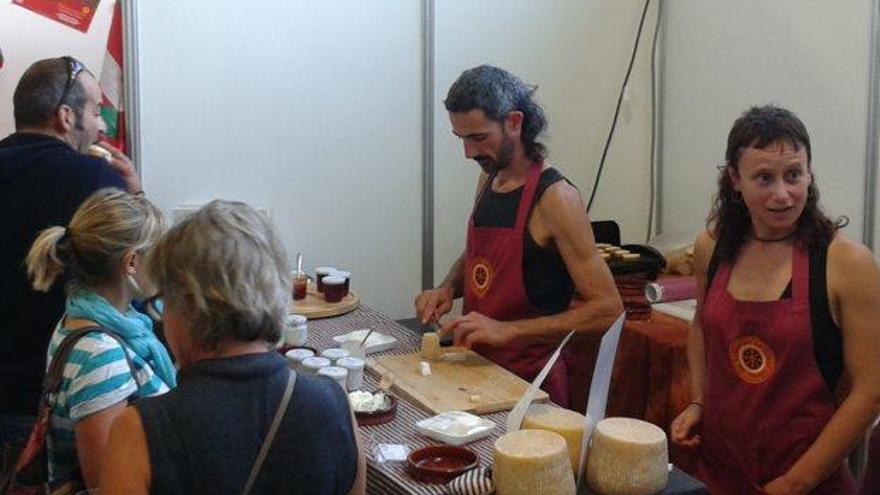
(481, 276)
(752, 359)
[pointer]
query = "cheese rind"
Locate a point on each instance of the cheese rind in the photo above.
(567, 423)
(627, 457)
(531, 462)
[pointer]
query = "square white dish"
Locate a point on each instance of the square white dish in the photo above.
(376, 343)
(455, 427)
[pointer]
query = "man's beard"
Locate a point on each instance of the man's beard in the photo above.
(505, 156)
(79, 128)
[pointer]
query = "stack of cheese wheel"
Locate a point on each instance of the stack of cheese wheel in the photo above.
(532, 462)
(566, 422)
(627, 457)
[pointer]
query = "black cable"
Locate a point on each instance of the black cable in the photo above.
(632, 60)
(652, 163)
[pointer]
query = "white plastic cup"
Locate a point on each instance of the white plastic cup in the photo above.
(355, 367)
(296, 332)
(340, 375)
(312, 364)
(296, 357)
(335, 354)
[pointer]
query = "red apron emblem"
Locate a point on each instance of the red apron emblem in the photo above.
(752, 359)
(481, 276)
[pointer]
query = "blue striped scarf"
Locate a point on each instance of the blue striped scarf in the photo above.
(135, 328)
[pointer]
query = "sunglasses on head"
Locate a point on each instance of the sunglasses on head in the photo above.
(74, 68)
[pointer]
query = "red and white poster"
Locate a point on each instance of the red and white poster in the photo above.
(77, 14)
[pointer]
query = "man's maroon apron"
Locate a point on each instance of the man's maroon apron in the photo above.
(766, 401)
(493, 286)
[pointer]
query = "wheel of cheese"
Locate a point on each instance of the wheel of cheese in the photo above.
(627, 457)
(531, 462)
(565, 422)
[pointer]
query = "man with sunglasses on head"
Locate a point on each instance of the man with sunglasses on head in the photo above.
(45, 174)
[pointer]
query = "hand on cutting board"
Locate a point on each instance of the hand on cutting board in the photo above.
(475, 328)
(684, 428)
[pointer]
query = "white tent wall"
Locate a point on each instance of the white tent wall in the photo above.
(26, 37)
(577, 53)
(315, 110)
(722, 57)
(311, 109)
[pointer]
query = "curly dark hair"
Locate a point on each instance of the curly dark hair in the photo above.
(497, 93)
(729, 221)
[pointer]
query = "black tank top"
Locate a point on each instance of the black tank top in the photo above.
(549, 287)
(827, 339)
(203, 436)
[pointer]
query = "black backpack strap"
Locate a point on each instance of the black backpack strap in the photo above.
(52, 382)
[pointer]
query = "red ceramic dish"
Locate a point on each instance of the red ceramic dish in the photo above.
(378, 417)
(439, 464)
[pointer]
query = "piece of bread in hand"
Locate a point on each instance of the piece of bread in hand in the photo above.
(100, 152)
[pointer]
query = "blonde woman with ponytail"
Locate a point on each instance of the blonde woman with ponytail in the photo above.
(101, 253)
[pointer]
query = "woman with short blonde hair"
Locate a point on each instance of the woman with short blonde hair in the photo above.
(223, 277)
(102, 252)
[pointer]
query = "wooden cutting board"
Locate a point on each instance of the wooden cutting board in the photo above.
(314, 306)
(450, 385)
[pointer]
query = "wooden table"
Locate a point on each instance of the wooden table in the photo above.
(392, 478)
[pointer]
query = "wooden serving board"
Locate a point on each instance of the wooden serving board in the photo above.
(450, 385)
(314, 306)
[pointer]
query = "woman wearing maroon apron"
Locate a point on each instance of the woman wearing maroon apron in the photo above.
(784, 351)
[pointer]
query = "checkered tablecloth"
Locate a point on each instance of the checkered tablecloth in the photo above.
(392, 478)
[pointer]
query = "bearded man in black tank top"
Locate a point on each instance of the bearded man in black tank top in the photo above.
(530, 248)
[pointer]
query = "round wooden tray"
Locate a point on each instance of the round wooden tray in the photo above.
(314, 306)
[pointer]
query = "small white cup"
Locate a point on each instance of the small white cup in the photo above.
(355, 367)
(296, 356)
(313, 364)
(335, 354)
(340, 375)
